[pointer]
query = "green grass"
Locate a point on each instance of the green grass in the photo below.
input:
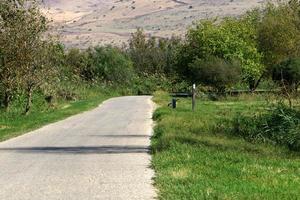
(196, 157)
(13, 123)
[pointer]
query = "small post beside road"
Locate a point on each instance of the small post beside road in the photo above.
(174, 103)
(194, 97)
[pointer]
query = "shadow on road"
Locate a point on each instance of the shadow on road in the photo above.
(121, 136)
(80, 150)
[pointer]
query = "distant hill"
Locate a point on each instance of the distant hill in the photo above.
(90, 22)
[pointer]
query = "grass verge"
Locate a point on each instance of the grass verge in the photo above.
(13, 124)
(196, 157)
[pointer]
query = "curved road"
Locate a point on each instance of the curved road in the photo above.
(100, 154)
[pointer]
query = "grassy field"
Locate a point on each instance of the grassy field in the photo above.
(195, 155)
(13, 123)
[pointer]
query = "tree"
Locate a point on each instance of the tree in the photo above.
(78, 65)
(153, 55)
(26, 55)
(230, 39)
(287, 73)
(111, 65)
(279, 33)
(138, 52)
(10, 57)
(215, 72)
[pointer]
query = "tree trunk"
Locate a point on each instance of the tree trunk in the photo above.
(258, 82)
(253, 84)
(7, 100)
(29, 100)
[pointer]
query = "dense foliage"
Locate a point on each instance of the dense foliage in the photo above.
(232, 39)
(279, 32)
(287, 73)
(111, 65)
(215, 72)
(152, 56)
(25, 62)
(279, 125)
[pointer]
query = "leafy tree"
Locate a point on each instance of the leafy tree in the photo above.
(215, 72)
(231, 39)
(25, 53)
(287, 73)
(111, 65)
(168, 49)
(78, 65)
(137, 51)
(279, 32)
(151, 55)
(9, 56)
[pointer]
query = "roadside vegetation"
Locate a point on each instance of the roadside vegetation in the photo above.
(14, 124)
(202, 155)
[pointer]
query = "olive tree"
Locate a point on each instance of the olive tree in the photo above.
(23, 44)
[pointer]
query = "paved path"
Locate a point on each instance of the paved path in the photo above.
(100, 154)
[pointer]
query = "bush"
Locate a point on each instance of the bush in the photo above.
(77, 66)
(280, 125)
(152, 55)
(288, 73)
(143, 85)
(230, 39)
(279, 32)
(111, 65)
(215, 72)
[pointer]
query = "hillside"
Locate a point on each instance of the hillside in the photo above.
(84, 23)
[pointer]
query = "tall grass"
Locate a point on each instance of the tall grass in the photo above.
(279, 125)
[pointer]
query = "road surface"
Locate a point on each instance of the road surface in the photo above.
(100, 154)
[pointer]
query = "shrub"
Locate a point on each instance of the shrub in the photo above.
(215, 72)
(280, 125)
(152, 56)
(149, 84)
(111, 65)
(288, 73)
(77, 65)
(231, 39)
(279, 32)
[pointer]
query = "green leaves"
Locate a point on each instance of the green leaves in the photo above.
(111, 65)
(279, 125)
(27, 65)
(215, 72)
(279, 33)
(288, 73)
(152, 56)
(230, 39)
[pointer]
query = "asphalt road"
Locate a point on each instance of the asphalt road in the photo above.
(100, 154)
